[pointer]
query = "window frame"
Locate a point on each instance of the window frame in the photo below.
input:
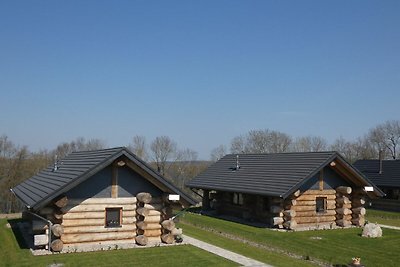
(324, 201)
(119, 209)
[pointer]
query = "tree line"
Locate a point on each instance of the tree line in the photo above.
(179, 165)
(384, 138)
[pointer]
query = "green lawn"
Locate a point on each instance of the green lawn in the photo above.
(331, 246)
(12, 255)
(383, 217)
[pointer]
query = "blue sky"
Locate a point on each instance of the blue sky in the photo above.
(200, 72)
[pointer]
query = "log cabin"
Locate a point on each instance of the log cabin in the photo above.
(102, 197)
(386, 175)
(296, 191)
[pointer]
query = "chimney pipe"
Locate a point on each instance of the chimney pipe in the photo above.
(237, 162)
(380, 161)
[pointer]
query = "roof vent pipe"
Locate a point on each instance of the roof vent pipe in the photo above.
(55, 167)
(237, 162)
(380, 161)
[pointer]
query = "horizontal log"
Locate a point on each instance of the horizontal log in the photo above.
(168, 224)
(141, 240)
(58, 215)
(112, 201)
(147, 226)
(94, 222)
(296, 194)
(95, 207)
(57, 229)
(359, 210)
(313, 213)
(150, 233)
(144, 197)
(358, 221)
(168, 238)
(158, 206)
(343, 200)
(343, 223)
(317, 192)
(289, 213)
(277, 220)
(89, 237)
(358, 201)
(142, 211)
(346, 206)
(98, 229)
(316, 219)
(290, 224)
(154, 213)
(95, 214)
(56, 245)
(344, 211)
(313, 197)
(41, 240)
(176, 231)
(61, 201)
(150, 219)
(311, 208)
(313, 202)
(344, 217)
(346, 190)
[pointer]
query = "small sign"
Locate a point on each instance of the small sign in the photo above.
(369, 189)
(174, 197)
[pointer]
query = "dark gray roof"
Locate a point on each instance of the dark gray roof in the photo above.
(390, 176)
(268, 174)
(40, 189)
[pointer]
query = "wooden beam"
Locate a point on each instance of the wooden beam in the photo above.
(114, 181)
(321, 179)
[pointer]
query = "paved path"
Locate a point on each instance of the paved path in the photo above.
(240, 259)
(389, 226)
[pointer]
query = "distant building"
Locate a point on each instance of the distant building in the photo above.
(386, 175)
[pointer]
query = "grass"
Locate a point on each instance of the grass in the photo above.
(11, 254)
(336, 247)
(383, 217)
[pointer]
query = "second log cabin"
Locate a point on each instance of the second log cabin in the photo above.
(297, 191)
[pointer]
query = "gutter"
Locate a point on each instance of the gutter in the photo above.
(49, 223)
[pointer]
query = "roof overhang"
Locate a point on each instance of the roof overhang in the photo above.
(134, 163)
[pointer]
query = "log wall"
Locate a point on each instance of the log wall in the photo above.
(300, 210)
(84, 221)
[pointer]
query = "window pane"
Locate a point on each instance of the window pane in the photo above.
(320, 204)
(113, 216)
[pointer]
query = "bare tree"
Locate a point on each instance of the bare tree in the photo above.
(238, 145)
(310, 144)
(79, 144)
(139, 147)
(261, 141)
(218, 152)
(386, 137)
(163, 149)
